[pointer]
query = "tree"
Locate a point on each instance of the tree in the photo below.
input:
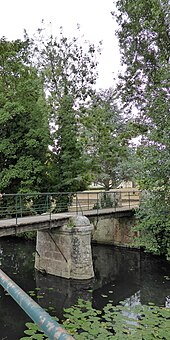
(69, 74)
(106, 139)
(144, 37)
(144, 43)
(24, 128)
(68, 153)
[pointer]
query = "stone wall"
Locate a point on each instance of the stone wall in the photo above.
(113, 229)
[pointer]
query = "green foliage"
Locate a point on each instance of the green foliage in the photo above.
(23, 120)
(33, 332)
(121, 322)
(153, 225)
(69, 73)
(68, 67)
(105, 139)
(66, 72)
(28, 235)
(68, 159)
(145, 43)
(109, 200)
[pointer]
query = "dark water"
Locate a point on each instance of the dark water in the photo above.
(120, 274)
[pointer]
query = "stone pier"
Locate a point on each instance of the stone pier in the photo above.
(66, 251)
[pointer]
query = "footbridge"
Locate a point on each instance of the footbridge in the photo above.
(65, 224)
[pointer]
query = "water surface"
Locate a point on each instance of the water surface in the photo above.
(120, 275)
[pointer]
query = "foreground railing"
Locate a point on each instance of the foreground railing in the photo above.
(20, 205)
(45, 322)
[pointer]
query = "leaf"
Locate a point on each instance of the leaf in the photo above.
(29, 331)
(40, 296)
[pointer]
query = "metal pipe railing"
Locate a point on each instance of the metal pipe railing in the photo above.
(32, 204)
(44, 321)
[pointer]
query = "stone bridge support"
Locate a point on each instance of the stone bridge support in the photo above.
(66, 251)
(114, 228)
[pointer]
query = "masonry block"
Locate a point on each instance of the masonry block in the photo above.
(66, 251)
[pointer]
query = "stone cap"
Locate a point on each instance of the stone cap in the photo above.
(79, 221)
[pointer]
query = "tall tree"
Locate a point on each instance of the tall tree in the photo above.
(69, 73)
(67, 166)
(23, 121)
(106, 139)
(144, 40)
(144, 37)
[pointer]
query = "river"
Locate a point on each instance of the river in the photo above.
(120, 274)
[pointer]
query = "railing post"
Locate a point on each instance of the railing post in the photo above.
(71, 198)
(46, 204)
(20, 205)
(140, 198)
(97, 203)
(76, 204)
(49, 205)
(120, 199)
(16, 209)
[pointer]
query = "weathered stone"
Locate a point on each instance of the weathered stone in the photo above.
(81, 253)
(79, 221)
(66, 251)
(112, 229)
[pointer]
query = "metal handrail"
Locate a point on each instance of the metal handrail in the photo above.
(44, 321)
(31, 204)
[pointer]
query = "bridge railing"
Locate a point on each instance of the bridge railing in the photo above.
(22, 205)
(45, 322)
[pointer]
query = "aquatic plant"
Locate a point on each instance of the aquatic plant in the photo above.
(121, 322)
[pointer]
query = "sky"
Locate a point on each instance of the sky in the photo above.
(94, 17)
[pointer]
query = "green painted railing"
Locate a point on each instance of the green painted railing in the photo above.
(45, 322)
(20, 205)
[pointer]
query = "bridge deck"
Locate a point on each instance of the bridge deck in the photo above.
(33, 219)
(22, 224)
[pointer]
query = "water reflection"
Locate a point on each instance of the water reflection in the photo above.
(17, 261)
(133, 300)
(131, 272)
(117, 274)
(120, 274)
(167, 302)
(61, 293)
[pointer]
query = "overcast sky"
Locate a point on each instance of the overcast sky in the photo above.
(94, 17)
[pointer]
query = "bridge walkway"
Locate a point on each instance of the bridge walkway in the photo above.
(14, 226)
